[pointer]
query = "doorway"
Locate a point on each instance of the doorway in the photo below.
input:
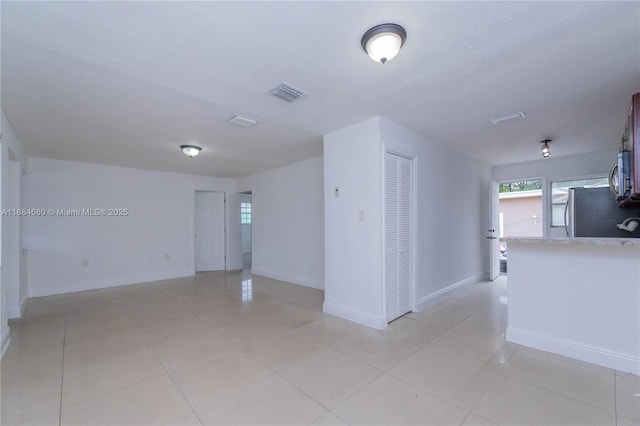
(521, 214)
(246, 220)
(209, 231)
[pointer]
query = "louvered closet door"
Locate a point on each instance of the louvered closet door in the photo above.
(398, 234)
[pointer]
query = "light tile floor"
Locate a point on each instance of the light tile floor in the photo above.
(228, 348)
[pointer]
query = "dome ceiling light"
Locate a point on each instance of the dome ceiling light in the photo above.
(383, 42)
(190, 150)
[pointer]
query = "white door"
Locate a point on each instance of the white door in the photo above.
(209, 230)
(493, 233)
(398, 235)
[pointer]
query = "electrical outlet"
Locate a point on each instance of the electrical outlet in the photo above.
(361, 215)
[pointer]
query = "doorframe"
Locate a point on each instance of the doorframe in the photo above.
(250, 193)
(414, 229)
(193, 228)
(494, 223)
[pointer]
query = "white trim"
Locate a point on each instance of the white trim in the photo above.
(303, 281)
(23, 303)
(6, 339)
(13, 312)
(594, 355)
(520, 194)
(117, 282)
(485, 276)
(414, 238)
(16, 311)
(424, 301)
(378, 323)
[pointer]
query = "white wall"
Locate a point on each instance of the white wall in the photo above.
(353, 248)
(287, 222)
(583, 303)
(555, 169)
(452, 195)
(12, 281)
(155, 241)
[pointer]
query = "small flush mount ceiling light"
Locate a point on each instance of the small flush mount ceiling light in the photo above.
(190, 150)
(383, 42)
(545, 148)
(508, 117)
(243, 120)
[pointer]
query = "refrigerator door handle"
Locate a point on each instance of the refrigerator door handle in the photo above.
(566, 218)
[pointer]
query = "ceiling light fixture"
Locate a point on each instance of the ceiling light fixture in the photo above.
(545, 148)
(383, 42)
(243, 120)
(509, 117)
(190, 150)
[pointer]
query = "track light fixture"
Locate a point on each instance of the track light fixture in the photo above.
(545, 148)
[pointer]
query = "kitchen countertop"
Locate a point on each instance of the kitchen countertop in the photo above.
(578, 240)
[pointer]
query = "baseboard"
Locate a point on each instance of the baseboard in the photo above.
(354, 316)
(13, 312)
(23, 304)
(6, 339)
(306, 282)
(424, 301)
(143, 278)
(236, 267)
(594, 355)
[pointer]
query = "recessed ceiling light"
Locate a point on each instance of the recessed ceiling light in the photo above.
(509, 117)
(243, 121)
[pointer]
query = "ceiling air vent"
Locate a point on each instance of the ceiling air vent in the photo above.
(287, 92)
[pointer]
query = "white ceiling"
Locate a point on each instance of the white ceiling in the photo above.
(125, 83)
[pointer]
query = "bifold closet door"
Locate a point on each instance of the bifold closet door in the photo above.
(398, 234)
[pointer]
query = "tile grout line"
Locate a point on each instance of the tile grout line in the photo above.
(176, 386)
(615, 396)
(500, 372)
(285, 379)
(329, 410)
(155, 354)
(64, 342)
(552, 391)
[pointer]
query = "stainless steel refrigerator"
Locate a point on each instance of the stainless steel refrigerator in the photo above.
(593, 212)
